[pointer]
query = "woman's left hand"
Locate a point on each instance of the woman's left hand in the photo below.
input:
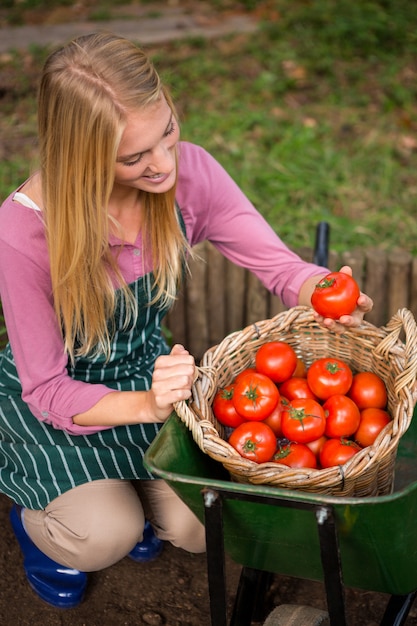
(364, 305)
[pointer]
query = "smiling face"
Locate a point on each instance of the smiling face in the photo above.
(146, 154)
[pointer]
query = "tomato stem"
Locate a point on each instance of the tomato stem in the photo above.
(334, 367)
(252, 393)
(300, 415)
(326, 282)
(227, 394)
(249, 446)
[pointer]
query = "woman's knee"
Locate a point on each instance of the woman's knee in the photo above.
(90, 527)
(186, 532)
(171, 517)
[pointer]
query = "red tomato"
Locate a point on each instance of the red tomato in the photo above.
(335, 295)
(327, 377)
(224, 409)
(277, 360)
(317, 445)
(371, 424)
(296, 387)
(295, 455)
(368, 390)
(337, 452)
(303, 420)
(342, 416)
(247, 370)
(273, 420)
(301, 369)
(255, 441)
(255, 396)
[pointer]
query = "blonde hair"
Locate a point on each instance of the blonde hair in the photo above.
(86, 90)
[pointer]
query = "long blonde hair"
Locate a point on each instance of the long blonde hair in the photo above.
(86, 89)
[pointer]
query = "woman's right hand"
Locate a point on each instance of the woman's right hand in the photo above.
(172, 379)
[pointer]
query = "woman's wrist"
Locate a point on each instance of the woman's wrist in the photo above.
(120, 408)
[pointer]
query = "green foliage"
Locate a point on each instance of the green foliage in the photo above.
(304, 144)
(315, 117)
(349, 29)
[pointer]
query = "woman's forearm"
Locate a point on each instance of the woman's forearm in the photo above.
(119, 408)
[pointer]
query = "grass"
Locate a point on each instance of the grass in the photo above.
(315, 117)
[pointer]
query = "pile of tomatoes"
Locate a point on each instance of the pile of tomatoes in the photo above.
(281, 411)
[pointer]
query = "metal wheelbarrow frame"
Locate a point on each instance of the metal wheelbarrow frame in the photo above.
(366, 543)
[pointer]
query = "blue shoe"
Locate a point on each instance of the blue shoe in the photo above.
(149, 548)
(56, 584)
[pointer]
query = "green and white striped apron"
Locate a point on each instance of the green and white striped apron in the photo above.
(39, 462)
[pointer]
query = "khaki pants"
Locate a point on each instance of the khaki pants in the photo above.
(96, 524)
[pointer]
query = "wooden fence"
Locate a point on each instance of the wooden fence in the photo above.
(220, 297)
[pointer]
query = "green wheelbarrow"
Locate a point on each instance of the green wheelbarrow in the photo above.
(366, 543)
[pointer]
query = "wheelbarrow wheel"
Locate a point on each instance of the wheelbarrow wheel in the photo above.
(296, 615)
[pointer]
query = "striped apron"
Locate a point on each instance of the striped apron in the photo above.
(39, 462)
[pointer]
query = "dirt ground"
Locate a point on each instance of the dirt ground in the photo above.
(170, 591)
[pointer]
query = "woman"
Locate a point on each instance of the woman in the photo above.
(92, 250)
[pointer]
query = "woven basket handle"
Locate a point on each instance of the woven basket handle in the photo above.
(403, 320)
(194, 419)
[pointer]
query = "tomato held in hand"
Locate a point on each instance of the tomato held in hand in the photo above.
(335, 295)
(327, 377)
(295, 455)
(342, 416)
(255, 396)
(337, 452)
(277, 360)
(371, 423)
(303, 421)
(368, 390)
(224, 409)
(254, 441)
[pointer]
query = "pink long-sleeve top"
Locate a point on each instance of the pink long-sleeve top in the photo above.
(213, 208)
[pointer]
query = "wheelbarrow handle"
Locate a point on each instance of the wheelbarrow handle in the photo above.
(321, 247)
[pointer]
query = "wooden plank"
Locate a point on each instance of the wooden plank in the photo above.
(176, 322)
(334, 261)
(235, 297)
(217, 290)
(399, 273)
(356, 260)
(276, 306)
(196, 305)
(375, 285)
(256, 300)
(413, 288)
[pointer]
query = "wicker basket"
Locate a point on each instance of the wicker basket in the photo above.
(390, 352)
